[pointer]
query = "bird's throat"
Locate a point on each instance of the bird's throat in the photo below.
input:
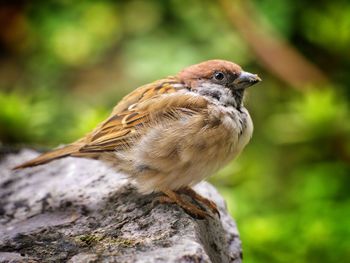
(238, 96)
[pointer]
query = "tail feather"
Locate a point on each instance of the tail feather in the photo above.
(50, 156)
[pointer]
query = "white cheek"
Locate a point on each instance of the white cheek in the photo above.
(216, 94)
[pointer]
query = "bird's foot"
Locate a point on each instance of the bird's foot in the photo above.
(174, 197)
(197, 197)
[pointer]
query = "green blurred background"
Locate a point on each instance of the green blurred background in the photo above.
(65, 64)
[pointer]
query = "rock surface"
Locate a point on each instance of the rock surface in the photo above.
(78, 210)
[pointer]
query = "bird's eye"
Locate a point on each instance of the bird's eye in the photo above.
(219, 75)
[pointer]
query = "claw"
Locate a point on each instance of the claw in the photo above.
(210, 204)
(191, 209)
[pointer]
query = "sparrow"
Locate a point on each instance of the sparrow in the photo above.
(171, 134)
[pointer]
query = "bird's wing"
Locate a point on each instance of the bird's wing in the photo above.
(156, 102)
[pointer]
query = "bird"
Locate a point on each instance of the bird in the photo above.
(171, 134)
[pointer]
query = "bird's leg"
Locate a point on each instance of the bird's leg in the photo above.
(192, 193)
(173, 197)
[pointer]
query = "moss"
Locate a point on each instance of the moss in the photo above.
(89, 239)
(123, 242)
(100, 240)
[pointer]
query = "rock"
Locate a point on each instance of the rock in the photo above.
(78, 210)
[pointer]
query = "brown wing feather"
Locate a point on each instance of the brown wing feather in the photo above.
(140, 94)
(49, 156)
(122, 130)
(132, 113)
(136, 111)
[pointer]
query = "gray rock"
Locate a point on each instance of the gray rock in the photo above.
(77, 210)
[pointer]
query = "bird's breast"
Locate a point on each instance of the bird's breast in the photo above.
(236, 126)
(185, 151)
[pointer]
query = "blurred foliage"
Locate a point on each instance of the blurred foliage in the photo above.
(65, 64)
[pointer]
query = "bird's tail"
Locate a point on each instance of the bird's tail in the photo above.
(50, 156)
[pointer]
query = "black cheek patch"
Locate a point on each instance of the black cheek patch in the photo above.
(216, 95)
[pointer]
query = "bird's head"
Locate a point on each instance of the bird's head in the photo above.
(218, 79)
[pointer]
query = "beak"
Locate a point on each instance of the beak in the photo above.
(245, 80)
